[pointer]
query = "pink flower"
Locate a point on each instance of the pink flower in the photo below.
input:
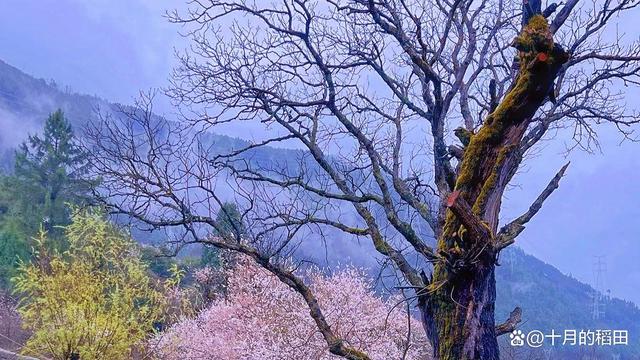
(203, 275)
(262, 318)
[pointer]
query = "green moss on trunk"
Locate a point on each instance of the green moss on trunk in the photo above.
(460, 305)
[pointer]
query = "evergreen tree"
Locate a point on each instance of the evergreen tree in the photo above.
(48, 170)
(229, 221)
(12, 248)
(47, 177)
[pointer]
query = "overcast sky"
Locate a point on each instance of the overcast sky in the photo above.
(114, 49)
(108, 48)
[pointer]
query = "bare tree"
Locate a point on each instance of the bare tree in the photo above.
(412, 114)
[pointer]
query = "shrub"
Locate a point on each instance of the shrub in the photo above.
(96, 299)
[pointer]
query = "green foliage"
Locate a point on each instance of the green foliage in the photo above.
(12, 248)
(47, 177)
(159, 263)
(95, 299)
(210, 257)
(229, 223)
(48, 172)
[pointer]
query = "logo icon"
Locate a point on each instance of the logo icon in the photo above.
(517, 338)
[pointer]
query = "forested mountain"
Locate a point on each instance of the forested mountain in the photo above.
(549, 299)
(552, 300)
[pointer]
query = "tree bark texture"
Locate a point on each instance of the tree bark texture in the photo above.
(458, 305)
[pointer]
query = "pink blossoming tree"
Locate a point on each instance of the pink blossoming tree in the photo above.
(262, 318)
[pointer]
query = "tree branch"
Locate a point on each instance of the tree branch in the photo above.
(509, 232)
(336, 345)
(563, 14)
(508, 326)
(462, 210)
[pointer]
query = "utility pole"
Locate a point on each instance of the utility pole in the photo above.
(598, 304)
(509, 259)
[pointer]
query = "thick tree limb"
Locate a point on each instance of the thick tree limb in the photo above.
(509, 232)
(508, 326)
(503, 129)
(456, 151)
(478, 231)
(493, 96)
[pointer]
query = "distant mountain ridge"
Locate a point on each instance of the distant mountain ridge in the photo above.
(552, 300)
(549, 299)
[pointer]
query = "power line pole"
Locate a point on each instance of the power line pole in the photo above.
(509, 259)
(598, 304)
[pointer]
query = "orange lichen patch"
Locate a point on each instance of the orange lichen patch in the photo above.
(451, 199)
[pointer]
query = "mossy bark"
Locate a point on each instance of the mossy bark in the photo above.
(458, 305)
(460, 318)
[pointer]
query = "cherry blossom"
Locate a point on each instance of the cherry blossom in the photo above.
(261, 318)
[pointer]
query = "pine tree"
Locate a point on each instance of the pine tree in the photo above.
(49, 169)
(48, 175)
(229, 221)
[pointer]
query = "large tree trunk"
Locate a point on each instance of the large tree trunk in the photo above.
(462, 325)
(458, 304)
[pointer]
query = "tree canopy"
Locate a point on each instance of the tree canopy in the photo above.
(95, 299)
